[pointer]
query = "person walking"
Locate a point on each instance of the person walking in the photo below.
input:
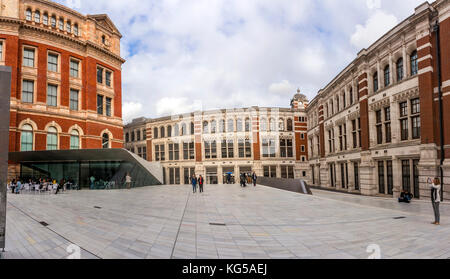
(194, 183)
(254, 178)
(128, 181)
(435, 199)
(18, 187)
(200, 183)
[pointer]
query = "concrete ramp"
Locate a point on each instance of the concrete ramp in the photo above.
(292, 185)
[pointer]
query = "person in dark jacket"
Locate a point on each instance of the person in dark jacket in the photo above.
(254, 178)
(243, 180)
(194, 184)
(435, 186)
(200, 183)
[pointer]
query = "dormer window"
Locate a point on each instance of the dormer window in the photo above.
(61, 24)
(28, 14)
(53, 21)
(45, 19)
(37, 17)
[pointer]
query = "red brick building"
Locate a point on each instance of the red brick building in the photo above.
(66, 77)
(375, 128)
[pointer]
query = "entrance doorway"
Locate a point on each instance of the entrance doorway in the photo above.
(211, 176)
(188, 172)
(228, 172)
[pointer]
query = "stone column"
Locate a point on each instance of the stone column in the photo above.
(5, 91)
(397, 176)
(391, 69)
(220, 174)
(405, 62)
(368, 174)
(351, 177)
(324, 174)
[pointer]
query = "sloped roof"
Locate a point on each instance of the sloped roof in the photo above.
(104, 21)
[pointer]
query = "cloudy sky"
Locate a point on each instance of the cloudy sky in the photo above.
(187, 55)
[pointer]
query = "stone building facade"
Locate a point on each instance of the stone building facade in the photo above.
(269, 141)
(66, 77)
(374, 129)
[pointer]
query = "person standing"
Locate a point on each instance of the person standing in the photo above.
(128, 180)
(435, 198)
(254, 178)
(13, 186)
(200, 183)
(194, 183)
(18, 187)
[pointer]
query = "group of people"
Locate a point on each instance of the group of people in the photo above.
(197, 181)
(43, 184)
(435, 186)
(245, 178)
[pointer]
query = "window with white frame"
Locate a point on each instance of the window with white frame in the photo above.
(37, 17)
(52, 62)
(28, 14)
(52, 138)
(74, 99)
(74, 140)
(28, 57)
(52, 95)
(45, 19)
(26, 138)
(74, 68)
(27, 91)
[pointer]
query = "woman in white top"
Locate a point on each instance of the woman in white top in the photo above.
(435, 198)
(128, 181)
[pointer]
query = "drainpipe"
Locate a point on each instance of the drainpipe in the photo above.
(441, 126)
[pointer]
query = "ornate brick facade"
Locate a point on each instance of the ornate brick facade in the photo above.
(56, 54)
(380, 132)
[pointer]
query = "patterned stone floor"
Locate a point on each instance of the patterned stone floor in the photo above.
(224, 222)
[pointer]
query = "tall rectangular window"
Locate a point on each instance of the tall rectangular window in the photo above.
(100, 104)
(108, 78)
(52, 62)
(390, 177)
(28, 57)
(74, 68)
(356, 172)
(73, 99)
(27, 91)
(387, 124)
(99, 75)
(1, 50)
(52, 93)
(381, 185)
(108, 106)
(379, 127)
(354, 134)
(415, 118)
(406, 175)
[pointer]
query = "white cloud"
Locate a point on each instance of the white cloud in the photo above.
(131, 110)
(283, 88)
(376, 26)
(373, 4)
(170, 106)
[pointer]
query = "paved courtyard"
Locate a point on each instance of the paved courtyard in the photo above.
(224, 222)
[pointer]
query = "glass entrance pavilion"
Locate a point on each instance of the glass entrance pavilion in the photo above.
(88, 168)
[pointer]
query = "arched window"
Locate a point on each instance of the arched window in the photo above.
(74, 140)
(37, 17)
(53, 21)
(247, 124)
(68, 27)
(169, 131)
(192, 128)
(239, 125)
(281, 125)
(213, 127)
(61, 24)
(127, 137)
(205, 127)
(264, 124)
(162, 132)
(155, 133)
(176, 130)
(105, 141)
(375, 82)
(414, 63)
(132, 136)
(28, 14)
(399, 69)
(230, 126)
(387, 72)
(183, 129)
(289, 125)
(222, 126)
(52, 139)
(75, 29)
(351, 96)
(273, 125)
(45, 19)
(26, 138)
